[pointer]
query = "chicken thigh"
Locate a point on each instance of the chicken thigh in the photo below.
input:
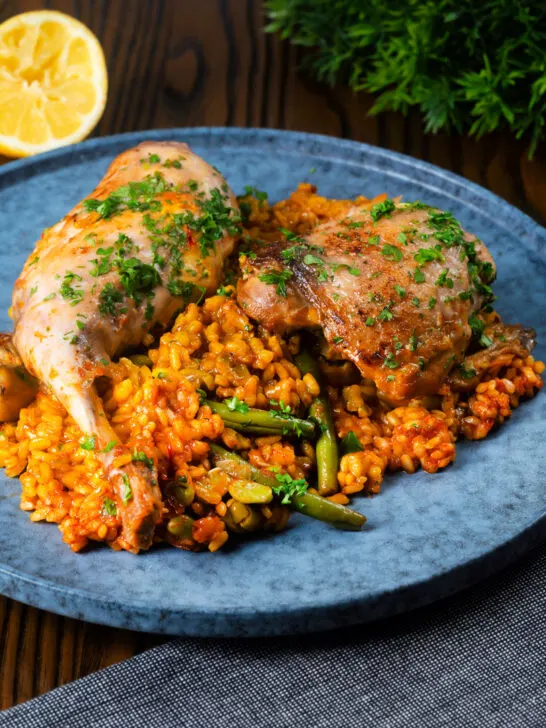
(152, 236)
(393, 289)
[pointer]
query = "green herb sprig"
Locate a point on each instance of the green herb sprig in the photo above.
(466, 66)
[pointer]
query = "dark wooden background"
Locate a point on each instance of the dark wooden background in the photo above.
(208, 62)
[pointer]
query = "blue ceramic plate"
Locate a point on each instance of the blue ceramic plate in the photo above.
(427, 535)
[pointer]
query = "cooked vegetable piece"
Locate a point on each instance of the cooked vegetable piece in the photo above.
(262, 422)
(326, 447)
(308, 504)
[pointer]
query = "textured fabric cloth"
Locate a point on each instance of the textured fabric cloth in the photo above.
(477, 659)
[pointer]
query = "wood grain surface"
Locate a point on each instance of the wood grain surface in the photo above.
(208, 62)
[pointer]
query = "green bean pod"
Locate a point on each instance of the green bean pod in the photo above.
(263, 422)
(326, 449)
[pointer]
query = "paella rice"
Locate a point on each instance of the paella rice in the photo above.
(157, 404)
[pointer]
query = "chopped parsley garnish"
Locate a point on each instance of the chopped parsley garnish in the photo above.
(385, 314)
(401, 291)
(278, 279)
(322, 273)
(109, 507)
(431, 302)
(109, 298)
(88, 443)
(402, 238)
(284, 413)
(216, 219)
(234, 404)
(338, 339)
(413, 342)
(176, 163)
(137, 196)
(476, 324)
(103, 265)
(127, 490)
(109, 447)
(391, 252)
(292, 252)
(467, 373)
(421, 362)
(290, 236)
(416, 302)
(154, 158)
(350, 443)
(486, 341)
(149, 311)
(284, 410)
(137, 278)
(68, 291)
(185, 289)
(390, 361)
(141, 457)
(288, 487)
(418, 276)
(425, 255)
(370, 321)
(444, 280)
(449, 232)
(50, 297)
(382, 209)
(222, 291)
(373, 240)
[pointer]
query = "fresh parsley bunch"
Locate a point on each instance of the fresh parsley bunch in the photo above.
(467, 65)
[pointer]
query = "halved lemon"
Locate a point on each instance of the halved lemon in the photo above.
(53, 82)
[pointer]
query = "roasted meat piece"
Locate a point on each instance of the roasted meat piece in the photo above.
(392, 288)
(152, 236)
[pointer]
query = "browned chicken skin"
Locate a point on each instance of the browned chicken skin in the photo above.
(154, 235)
(392, 290)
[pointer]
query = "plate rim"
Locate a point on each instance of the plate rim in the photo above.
(237, 132)
(515, 546)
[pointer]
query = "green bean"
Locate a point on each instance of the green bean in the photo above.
(263, 422)
(309, 504)
(322, 509)
(326, 448)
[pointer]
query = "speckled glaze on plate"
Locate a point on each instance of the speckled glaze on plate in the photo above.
(427, 535)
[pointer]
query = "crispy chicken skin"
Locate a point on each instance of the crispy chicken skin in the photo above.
(392, 289)
(153, 236)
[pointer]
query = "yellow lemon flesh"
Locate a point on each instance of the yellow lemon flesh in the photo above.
(53, 82)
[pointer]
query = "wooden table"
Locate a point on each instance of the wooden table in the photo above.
(189, 63)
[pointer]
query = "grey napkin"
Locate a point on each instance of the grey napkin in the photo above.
(478, 659)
